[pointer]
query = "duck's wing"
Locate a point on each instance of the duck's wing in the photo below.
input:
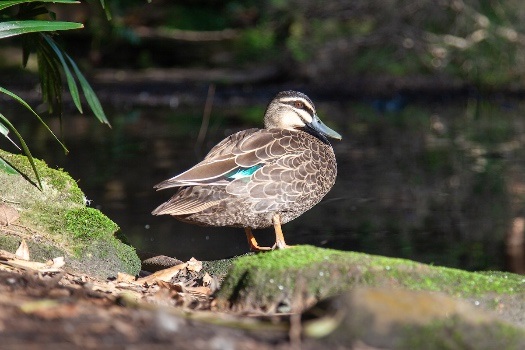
(271, 170)
(297, 170)
(236, 156)
(190, 200)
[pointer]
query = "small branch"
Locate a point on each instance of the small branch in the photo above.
(205, 118)
(5, 200)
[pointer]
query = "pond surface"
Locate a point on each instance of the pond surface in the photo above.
(438, 181)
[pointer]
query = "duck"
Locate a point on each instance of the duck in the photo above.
(259, 178)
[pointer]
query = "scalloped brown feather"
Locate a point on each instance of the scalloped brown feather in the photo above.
(259, 177)
(298, 170)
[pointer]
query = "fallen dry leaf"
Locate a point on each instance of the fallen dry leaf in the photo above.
(194, 265)
(5, 255)
(170, 286)
(8, 215)
(207, 279)
(56, 263)
(210, 282)
(33, 265)
(23, 250)
(124, 277)
(24, 264)
(164, 275)
(108, 288)
(199, 290)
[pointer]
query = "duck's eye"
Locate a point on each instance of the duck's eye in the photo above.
(298, 104)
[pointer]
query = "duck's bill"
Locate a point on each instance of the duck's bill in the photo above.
(321, 128)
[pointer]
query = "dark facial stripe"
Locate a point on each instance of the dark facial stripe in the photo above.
(305, 106)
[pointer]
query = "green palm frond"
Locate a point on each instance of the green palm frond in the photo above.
(28, 107)
(6, 122)
(36, 33)
(12, 28)
(8, 3)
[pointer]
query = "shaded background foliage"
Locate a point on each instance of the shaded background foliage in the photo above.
(479, 41)
(428, 96)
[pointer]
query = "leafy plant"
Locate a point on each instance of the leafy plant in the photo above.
(37, 26)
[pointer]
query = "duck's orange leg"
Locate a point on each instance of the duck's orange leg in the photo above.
(254, 246)
(279, 237)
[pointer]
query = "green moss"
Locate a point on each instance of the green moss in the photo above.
(38, 251)
(9, 243)
(57, 179)
(109, 256)
(407, 273)
(418, 276)
(297, 257)
(219, 268)
(90, 226)
(88, 223)
(270, 278)
(128, 256)
(43, 217)
(60, 222)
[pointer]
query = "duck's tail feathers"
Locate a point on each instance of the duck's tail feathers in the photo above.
(181, 206)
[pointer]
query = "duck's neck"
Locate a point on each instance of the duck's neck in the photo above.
(316, 134)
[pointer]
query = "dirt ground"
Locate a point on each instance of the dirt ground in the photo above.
(44, 307)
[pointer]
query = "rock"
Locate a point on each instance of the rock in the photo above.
(297, 278)
(55, 221)
(269, 282)
(402, 319)
(159, 262)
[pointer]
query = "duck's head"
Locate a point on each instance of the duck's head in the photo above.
(293, 110)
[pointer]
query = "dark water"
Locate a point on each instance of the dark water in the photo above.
(426, 180)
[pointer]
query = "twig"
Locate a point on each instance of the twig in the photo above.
(205, 118)
(8, 201)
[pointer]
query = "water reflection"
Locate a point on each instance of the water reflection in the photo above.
(438, 183)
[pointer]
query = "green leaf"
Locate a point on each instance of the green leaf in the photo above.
(29, 42)
(73, 89)
(5, 131)
(50, 78)
(5, 167)
(90, 95)
(106, 9)
(9, 3)
(13, 28)
(24, 103)
(24, 147)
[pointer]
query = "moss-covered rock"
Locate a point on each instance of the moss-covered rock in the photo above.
(296, 278)
(378, 301)
(56, 221)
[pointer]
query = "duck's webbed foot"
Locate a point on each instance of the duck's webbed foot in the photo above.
(254, 246)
